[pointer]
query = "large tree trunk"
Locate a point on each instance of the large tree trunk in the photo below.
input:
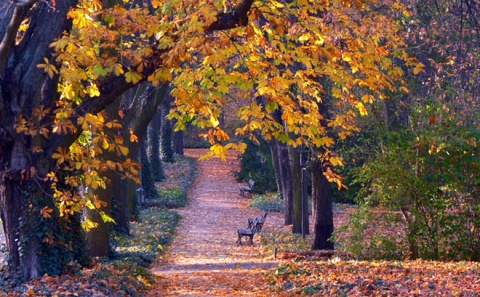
(322, 195)
(98, 238)
(24, 159)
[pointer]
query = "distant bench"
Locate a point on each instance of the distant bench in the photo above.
(254, 225)
(248, 189)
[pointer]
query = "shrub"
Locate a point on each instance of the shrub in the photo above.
(268, 202)
(428, 179)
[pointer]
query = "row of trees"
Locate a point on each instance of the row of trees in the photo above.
(81, 80)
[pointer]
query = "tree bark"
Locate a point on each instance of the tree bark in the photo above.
(24, 193)
(147, 178)
(322, 194)
(178, 143)
(154, 143)
(304, 186)
(294, 157)
(166, 131)
(98, 239)
(286, 182)
(274, 147)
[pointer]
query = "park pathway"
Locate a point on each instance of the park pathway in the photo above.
(204, 259)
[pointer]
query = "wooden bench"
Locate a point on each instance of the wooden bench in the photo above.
(260, 221)
(248, 232)
(247, 189)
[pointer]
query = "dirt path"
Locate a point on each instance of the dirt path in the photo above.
(204, 259)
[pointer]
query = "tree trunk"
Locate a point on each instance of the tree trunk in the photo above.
(304, 186)
(286, 182)
(26, 198)
(147, 179)
(154, 143)
(98, 238)
(322, 194)
(167, 131)
(178, 143)
(274, 147)
(296, 189)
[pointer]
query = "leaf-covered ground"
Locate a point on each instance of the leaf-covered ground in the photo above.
(204, 259)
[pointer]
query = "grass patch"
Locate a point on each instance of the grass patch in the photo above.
(173, 192)
(148, 237)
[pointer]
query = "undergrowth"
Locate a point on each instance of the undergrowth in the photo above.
(267, 202)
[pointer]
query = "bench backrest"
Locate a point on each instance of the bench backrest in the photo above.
(251, 182)
(264, 217)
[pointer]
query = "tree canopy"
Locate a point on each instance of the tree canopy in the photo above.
(64, 63)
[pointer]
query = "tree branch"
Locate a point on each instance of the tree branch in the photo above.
(236, 18)
(8, 39)
(115, 86)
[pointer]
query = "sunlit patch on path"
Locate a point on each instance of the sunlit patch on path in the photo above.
(204, 259)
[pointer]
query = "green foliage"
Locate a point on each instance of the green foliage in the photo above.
(256, 164)
(426, 176)
(184, 172)
(372, 236)
(268, 202)
(170, 198)
(356, 151)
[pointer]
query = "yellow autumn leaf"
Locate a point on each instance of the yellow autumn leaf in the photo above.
(123, 149)
(361, 108)
(133, 137)
(336, 161)
(418, 68)
(133, 76)
(48, 68)
(219, 150)
(93, 90)
(368, 98)
(214, 121)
